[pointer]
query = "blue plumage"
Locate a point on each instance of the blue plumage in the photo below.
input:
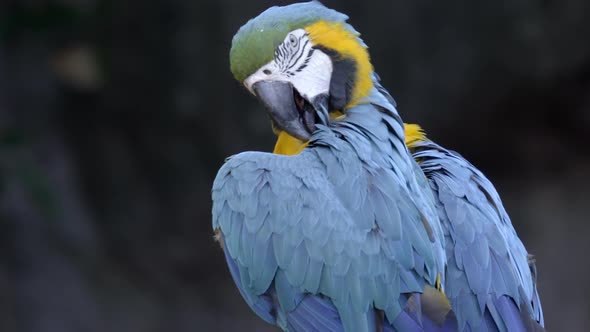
(315, 263)
(352, 234)
(489, 279)
(341, 220)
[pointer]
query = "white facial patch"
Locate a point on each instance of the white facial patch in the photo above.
(308, 69)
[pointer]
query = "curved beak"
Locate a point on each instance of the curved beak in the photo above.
(286, 108)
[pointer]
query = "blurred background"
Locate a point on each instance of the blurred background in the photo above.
(116, 115)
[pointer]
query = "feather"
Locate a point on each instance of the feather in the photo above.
(288, 295)
(315, 314)
(298, 267)
(262, 305)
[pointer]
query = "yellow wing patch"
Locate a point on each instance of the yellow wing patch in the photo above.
(413, 134)
(336, 37)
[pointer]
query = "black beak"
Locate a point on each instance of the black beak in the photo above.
(286, 108)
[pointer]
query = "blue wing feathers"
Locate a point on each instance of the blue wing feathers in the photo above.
(297, 269)
(488, 278)
(299, 240)
(313, 276)
(263, 305)
(344, 227)
(318, 314)
(287, 294)
(272, 250)
(509, 313)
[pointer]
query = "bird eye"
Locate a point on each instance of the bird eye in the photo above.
(293, 41)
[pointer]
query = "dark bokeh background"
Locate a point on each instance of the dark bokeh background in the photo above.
(116, 115)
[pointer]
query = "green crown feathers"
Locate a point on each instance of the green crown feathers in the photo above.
(255, 42)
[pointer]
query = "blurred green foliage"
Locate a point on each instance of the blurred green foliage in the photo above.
(18, 164)
(38, 19)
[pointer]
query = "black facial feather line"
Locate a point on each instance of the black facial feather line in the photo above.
(287, 58)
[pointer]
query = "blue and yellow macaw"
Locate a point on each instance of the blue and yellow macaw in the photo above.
(342, 228)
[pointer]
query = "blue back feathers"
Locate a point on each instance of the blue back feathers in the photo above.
(489, 279)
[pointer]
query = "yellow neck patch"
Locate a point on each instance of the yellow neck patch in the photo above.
(336, 37)
(290, 146)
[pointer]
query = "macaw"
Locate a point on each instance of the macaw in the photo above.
(339, 229)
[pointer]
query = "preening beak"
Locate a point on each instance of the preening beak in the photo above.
(287, 109)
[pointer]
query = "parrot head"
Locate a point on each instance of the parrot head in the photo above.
(304, 63)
